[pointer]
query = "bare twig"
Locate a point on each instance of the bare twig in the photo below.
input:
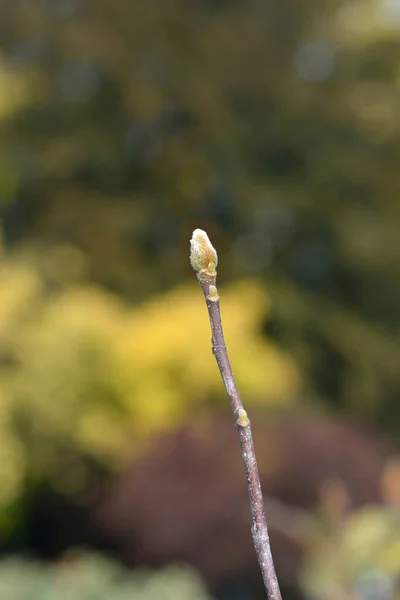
(203, 258)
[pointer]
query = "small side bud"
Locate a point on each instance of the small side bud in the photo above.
(203, 256)
(212, 294)
(243, 419)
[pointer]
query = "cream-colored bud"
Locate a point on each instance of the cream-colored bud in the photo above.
(212, 294)
(203, 256)
(243, 420)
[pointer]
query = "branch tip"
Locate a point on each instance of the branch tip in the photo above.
(203, 258)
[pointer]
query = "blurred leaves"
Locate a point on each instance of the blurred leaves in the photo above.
(125, 125)
(82, 373)
(85, 576)
(361, 561)
(274, 126)
(359, 557)
(314, 472)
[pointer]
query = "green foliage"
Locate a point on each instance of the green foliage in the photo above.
(356, 554)
(82, 374)
(125, 125)
(360, 561)
(89, 577)
(274, 126)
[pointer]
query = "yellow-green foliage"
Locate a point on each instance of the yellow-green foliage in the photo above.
(90, 576)
(82, 371)
(360, 561)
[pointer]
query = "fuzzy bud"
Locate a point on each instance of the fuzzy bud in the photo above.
(203, 256)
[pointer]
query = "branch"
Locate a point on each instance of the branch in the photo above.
(204, 259)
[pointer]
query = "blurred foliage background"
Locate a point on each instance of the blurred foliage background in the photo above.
(275, 126)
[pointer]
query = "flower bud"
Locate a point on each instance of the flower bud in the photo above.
(203, 256)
